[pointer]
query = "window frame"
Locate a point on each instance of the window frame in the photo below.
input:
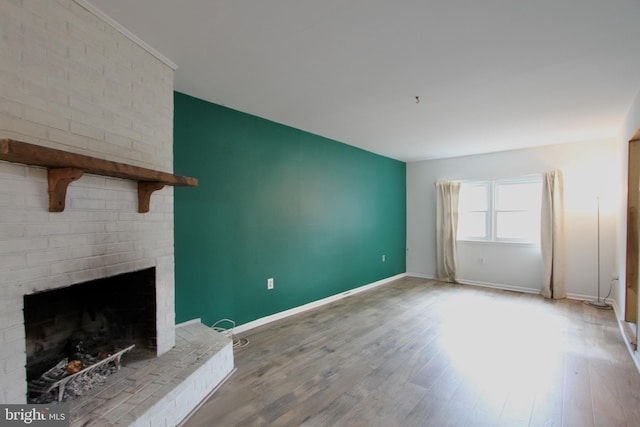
(491, 219)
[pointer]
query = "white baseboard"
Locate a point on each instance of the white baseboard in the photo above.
(500, 287)
(481, 284)
(421, 276)
(510, 287)
(281, 315)
(583, 297)
(620, 319)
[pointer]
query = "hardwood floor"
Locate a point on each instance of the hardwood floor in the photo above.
(422, 353)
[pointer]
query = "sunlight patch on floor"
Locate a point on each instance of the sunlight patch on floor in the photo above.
(501, 346)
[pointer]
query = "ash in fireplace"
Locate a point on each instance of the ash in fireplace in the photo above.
(83, 374)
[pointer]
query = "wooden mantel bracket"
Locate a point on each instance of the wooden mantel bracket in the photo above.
(65, 167)
(59, 180)
(145, 189)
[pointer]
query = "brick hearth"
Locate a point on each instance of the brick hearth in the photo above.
(160, 391)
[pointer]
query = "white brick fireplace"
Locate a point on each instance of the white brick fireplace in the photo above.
(71, 80)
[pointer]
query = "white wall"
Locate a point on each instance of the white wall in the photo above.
(71, 81)
(591, 169)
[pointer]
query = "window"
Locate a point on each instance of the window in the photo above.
(473, 211)
(500, 211)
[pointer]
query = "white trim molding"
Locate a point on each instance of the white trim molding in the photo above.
(422, 276)
(137, 40)
(500, 287)
(635, 356)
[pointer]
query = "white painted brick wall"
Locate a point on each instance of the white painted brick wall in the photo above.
(71, 81)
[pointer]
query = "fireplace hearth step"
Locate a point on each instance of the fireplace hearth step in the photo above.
(162, 390)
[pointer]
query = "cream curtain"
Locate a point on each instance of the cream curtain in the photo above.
(551, 228)
(446, 227)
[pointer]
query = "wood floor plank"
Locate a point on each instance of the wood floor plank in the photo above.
(547, 409)
(417, 352)
(607, 406)
(577, 409)
(626, 379)
(518, 407)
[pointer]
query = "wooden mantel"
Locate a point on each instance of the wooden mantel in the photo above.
(65, 167)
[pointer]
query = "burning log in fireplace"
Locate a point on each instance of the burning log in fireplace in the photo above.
(63, 381)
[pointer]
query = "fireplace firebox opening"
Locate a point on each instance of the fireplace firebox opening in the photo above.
(97, 317)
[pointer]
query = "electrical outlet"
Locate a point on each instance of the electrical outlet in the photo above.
(270, 283)
(384, 258)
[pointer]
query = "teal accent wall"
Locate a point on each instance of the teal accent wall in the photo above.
(273, 201)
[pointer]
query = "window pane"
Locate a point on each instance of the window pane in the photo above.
(518, 196)
(472, 198)
(472, 225)
(518, 225)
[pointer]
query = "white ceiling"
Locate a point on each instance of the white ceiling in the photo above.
(491, 75)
